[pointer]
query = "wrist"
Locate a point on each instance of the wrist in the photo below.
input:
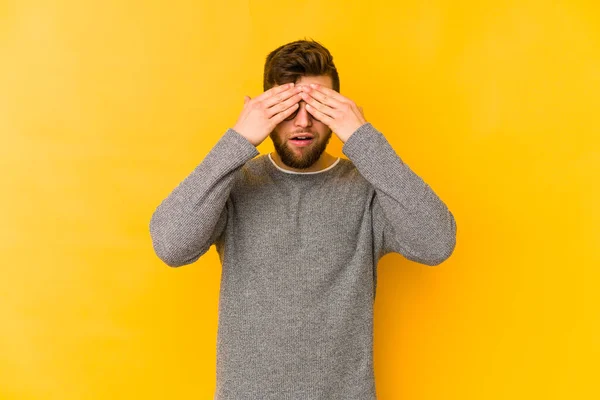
(253, 142)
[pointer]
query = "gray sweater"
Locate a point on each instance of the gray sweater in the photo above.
(299, 255)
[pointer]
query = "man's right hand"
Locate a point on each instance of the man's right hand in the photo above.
(263, 113)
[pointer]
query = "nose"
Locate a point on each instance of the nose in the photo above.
(303, 118)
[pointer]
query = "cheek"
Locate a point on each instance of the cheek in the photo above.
(283, 126)
(320, 127)
(278, 134)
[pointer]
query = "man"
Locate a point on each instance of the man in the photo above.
(299, 234)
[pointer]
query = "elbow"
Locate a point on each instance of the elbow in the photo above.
(444, 247)
(440, 256)
(429, 249)
(175, 257)
(170, 250)
(171, 262)
(432, 254)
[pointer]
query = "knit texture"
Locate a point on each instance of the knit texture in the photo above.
(299, 255)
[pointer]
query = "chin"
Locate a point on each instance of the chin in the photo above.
(289, 155)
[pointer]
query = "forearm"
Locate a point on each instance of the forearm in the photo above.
(420, 226)
(182, 227)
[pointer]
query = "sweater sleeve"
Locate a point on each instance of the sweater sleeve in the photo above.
(408, 217)
(194, 214)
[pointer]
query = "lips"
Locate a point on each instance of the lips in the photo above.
(305, 135)
(301, 142)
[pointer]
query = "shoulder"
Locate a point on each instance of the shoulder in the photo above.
(256, 165)
(348, 170)
(253, 172)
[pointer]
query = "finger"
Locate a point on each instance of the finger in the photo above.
(325, 109)
(326, 119)
(278, 98)
(275, 90)
(246, 99)
(277, 118)
(323, 99)
(329, 92)
(284, 105)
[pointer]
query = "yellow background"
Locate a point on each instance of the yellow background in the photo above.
(106, 105)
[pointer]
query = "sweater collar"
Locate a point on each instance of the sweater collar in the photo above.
(302, 173)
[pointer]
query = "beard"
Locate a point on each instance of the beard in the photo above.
(308, 155)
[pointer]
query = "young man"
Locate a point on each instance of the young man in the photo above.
(299, 234)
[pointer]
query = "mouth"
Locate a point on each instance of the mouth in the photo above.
(302, 140)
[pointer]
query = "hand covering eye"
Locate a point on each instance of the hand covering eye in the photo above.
(293, 115)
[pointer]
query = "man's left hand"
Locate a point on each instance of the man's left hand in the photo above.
(341, 114)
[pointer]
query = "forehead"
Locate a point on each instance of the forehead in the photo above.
(323, 80)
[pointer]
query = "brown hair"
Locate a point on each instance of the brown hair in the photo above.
(289, 62)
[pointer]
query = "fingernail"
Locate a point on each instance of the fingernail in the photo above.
(313, 85)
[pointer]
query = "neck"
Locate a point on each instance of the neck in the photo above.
(323, 162)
